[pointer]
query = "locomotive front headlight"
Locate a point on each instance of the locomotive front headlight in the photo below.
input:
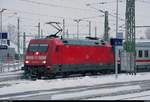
(44, 62)
(36, 53)
(26, 62)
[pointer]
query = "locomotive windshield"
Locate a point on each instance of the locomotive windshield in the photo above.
(38, 48)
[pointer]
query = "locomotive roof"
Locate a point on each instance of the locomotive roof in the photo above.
(81, 42)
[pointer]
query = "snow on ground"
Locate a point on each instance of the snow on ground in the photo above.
(71, 82)
(134, 96)
(94, 92)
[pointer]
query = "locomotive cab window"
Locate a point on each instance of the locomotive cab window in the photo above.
(140, 53)
(33, 47)
(38, 48)
(43, 47)
(146, 54)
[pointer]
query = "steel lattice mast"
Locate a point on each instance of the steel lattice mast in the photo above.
(106, 27)
(130, 34)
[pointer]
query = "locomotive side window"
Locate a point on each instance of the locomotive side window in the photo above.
(140, 53)
(146, 54)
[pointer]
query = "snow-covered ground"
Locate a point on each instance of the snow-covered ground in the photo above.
(27, 85)
(135, 96)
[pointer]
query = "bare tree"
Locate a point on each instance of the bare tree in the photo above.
(147, 33)
(12, 32)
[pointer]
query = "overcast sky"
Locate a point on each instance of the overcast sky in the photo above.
(33, 11)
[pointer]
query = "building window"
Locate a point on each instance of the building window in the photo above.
(146, 54)
(140, 53)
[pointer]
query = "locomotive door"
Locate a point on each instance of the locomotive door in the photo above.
(59, 55)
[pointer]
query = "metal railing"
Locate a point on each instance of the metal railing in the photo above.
(10, 64)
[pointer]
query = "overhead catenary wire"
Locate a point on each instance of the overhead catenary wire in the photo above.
(143, 1)
(27, 12)
(106, 2)
(42, 15)
(103, 11)
(46, 15)
(55, 5)
(36, 14)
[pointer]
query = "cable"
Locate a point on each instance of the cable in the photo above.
(54, 5)
(102, 11)
(31, 13)
(143, 1)
(92, 17)
(108, 2)
(43, 15)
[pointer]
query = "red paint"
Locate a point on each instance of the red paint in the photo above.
(138, 61)
(58, 53)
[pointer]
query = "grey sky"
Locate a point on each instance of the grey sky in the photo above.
(55, 10)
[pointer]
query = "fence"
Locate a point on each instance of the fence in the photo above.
(10, 64)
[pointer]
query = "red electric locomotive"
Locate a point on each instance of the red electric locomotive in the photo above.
(53, 56)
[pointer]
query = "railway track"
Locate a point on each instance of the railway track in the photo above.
(71, 91)
(75, 93)
(136, 84)
(10, 78)
(134, 97)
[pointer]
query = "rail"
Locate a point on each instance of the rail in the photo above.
(75, 93)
